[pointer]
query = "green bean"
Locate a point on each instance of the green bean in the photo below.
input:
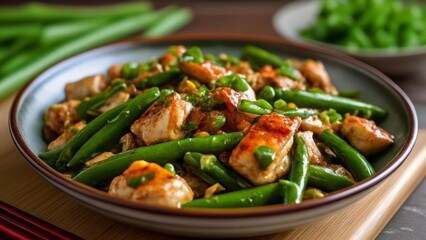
(161, 154)
(255, 107)
(50, 157)
(19, 61)
(300, 112)
(87, 105)
(115, 129)
(27, 31)
(368, 24)
(130, 70)
(267, 93)
(59, 157)
(259, 57)
(201, 174)
(193, 54)
(288, 71)
(209, 164)
(18, 46)
(249, 197)
(136, 181)
(264, 155)
(326, 179)
(170, 23)
(291, 192)
(31, 12)
(82, 136)
(160, 79)
(261, 107)
(233, 81)
(169, 167)
(59, 32)
(326, 101)
(114, 31)
(299, 168)
(354, 161)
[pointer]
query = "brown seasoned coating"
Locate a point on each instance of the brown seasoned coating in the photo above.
(205, 72)
(314, 154)
(163, 121)
(61, 116)
(66, 135)
(317, 76)
(85, 87)
(275, 131)
(365, 135)
(163, 188)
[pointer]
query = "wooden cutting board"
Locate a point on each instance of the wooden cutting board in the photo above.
(23, 188)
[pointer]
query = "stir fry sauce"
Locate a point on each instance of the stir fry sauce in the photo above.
(192, 129)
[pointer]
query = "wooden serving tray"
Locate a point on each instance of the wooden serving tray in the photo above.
(23, 188)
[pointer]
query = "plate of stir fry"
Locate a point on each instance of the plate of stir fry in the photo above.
(193, 128)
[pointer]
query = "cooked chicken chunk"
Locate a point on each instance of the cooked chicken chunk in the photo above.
(127, 142)
(114, 71)
(61, 116)
(159, 188)
(314, 154)
(204, 73)
(163, 121)
(66, 136)
(170, 58)
(235, 121)
(98, 158)
(115, 100)
(365, 135)
(313, 124)
(232, 98)
(317, 76)
(274, 131)
(86, 87)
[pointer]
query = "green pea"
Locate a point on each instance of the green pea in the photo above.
(130, 70)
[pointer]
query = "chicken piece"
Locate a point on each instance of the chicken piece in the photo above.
(317, 76)
(213, 189)
(86, 87)
(232, 98)
(115, 100)
(98, 158)
(204, 73)
(235, 121)
(365, 135)
(61, 116)
(275, 131)
(127, 142)
(242, 68)
(170, 57)
(314, 154)
(163, 121)
(274, 79)
(114, 71)
(339, 169)
(313, 124)
(66, 136)
(160, 188)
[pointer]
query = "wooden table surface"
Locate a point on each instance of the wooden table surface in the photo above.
(251, 17)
